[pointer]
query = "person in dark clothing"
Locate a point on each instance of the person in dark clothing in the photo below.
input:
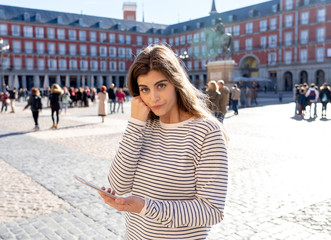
(55, 101)
(12, 98)
(36, 106)
(325, 97)
(112, 98)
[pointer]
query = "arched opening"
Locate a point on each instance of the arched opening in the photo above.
(288, 81)
(249, 67)
(303, 77)
(320, 77)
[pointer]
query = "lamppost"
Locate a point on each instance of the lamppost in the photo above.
(3, 48)
(184, 57)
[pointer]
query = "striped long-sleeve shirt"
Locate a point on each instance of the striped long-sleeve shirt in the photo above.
(181, 172)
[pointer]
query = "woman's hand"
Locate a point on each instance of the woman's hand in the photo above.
(129, 204)
(139, 110)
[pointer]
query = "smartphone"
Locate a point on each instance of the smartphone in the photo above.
(95, 187)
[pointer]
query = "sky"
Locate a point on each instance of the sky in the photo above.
(156, 11)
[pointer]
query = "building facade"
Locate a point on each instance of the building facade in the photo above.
(287, 41)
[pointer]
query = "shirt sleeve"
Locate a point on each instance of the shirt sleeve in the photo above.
(124, 165)
(211, 186)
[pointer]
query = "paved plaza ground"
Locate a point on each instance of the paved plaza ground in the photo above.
(279, 174)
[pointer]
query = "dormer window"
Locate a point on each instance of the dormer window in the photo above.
(26, 17)
(59, 20)
(80, 22)
(38, 17)
(100, 24)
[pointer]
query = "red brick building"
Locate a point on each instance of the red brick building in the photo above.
(287, 41)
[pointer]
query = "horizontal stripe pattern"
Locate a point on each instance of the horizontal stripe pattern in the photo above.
(181, 171)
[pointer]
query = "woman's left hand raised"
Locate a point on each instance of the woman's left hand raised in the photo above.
(129, 204)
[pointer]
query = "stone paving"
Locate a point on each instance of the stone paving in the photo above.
(278, 183)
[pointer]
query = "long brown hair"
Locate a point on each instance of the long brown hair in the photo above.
(162, 59)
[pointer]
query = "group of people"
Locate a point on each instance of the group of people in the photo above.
(8, 97)
(305, 96)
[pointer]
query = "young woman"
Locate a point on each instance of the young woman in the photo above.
(214, 97)
(55, 102)
(36, 106)
(103, 99)
(173, 156)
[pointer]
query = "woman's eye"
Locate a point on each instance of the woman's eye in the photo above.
(162, 85)
(144, 90)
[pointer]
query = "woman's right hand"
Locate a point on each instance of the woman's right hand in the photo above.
(139, 110)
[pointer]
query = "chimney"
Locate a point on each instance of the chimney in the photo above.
(129, 11)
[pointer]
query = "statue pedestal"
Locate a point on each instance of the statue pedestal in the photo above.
(223, 69)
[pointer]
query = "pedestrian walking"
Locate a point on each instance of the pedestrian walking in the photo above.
(55, 102)
(120, 99)
(225, 92)
(325, 97)
(112, 98)
(4, 100)
(103, 99)
(254, 95)
(235, 96)
(312, 95)
(173, 156)
(35, 103)
(12, 99)
(301, 101)
(214, 97)
(248, 94)
(65, 99)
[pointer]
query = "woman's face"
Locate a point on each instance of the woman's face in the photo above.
(158, 94)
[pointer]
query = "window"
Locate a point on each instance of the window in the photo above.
(156, 40)
(190, 51)
(3, 29)
(72, 49)
(28, 31)
(103, 66)
(28, 46)
(121, 66)
(17, 63)
(320, 54)
(288, 39)
(236, 46)
(103, 51)
(128, 39)
(112, 38)
(263, 25)
(103, 37)
(289, 20)
(249, 28)
(228, 30)
(93, 50)
(139, 40)
(112, 51)
(304, 18)
(16, 46)
(61, 34)
(5, 62)
(150, 40)
(51, 33)
(63, 64)
(288, 57)
(83, 65)
(72, 35)
(196, 51)
(121, 39)
(121, 52)
(182, 40)
(203, 36)
(189, 38)
(29, 63)
(303, 55)
(128, 52)
(15, 30)
(52, 64)
(304, 37)
(236, 30)
(39, 32)
(204, 50)
(41, 64)
(176, 41)
(82, 35)
(196, 37)
(94, 65)
(249, 43)
(83, 50)
(273, 23)
(320, 34)
(62, 48)
(273, 41)
(73, 64)
(93, 36)
(196, 64)
(113, 66)
(171, 41)
(263, 42)
(321, 13)
(288, 4)
(40, 47)
(189, 65)
(272, 58)
(51, 48)
(203, 63)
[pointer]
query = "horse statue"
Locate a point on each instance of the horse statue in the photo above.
(217, 39)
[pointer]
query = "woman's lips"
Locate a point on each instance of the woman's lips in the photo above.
(157, 106)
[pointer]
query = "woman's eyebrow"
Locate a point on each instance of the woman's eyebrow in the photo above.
(158, 82)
